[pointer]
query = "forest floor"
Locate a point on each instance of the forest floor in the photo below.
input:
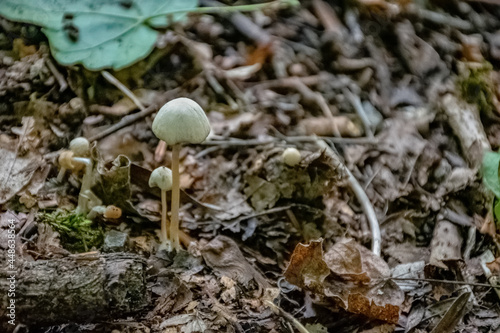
(391, 106)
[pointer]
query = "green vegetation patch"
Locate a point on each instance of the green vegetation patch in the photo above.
(77, 233)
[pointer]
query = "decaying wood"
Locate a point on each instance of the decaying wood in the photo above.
(74, 289)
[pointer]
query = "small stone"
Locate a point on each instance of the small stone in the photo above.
(115, 241)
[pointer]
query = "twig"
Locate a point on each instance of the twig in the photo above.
(243, 24)
(445, 281)
(256, 142)
(114, 81)
(328, 17)
(63, 85)
(439, 18)
(362, 198)
(130, 119)
(288, 316)
(127, 120)
(358, 107)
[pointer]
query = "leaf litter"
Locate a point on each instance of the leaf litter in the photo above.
(395, 99)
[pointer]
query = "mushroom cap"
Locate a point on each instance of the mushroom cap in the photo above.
(291, 156)
(112, 212)
(66, 159)
(181, 120)
(161, 177)
(80, 146)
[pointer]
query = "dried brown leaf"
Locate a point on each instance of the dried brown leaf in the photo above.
(307, 268)
(351, 261)
(17, 172)
(358, 281)
(224, 256)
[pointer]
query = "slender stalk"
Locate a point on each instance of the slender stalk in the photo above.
(60, 175)
(174, 226)
(164, 221)
(86, 185)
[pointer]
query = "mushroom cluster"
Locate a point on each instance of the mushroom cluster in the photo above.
(180, 121)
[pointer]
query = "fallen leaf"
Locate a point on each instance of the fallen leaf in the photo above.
(16, 173)
(224, 256)
(348, 274)
(307, 267)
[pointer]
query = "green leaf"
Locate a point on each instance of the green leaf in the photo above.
(491, 161)
(99, 34)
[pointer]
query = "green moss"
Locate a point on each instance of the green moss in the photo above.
(77, 234)
(477, 88)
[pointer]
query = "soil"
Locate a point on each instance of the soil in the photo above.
(383, 224)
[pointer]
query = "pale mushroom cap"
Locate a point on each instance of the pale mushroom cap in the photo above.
(291, 156)
(161, 177)
(80, 146)
(181, 120)
(66, 159)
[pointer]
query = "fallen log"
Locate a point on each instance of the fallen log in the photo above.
(78, 289)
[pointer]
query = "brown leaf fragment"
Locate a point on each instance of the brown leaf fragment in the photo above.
(453, 315)
(224, 256)
(446, 244)
(351, 261)
(378, 303)
(494, 266)
(17, 172)
(307, 268)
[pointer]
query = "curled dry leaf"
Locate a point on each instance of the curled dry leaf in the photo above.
(348, 274)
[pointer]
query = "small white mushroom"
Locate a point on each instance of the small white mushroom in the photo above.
(162, 177)
(291, 157)
(179, 121)
(80, 146)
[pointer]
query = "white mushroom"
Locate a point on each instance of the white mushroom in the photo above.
(179, 121)
(291, 157)
(162, 177)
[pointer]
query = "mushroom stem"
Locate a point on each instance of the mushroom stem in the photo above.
(60, 175)
(174, 226)
(164, 221)
(86, 184)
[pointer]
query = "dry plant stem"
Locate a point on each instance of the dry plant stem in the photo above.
(288, 316)
(362, 198)
(114, 81)
(164, 221)
(358, 107)
(124, 122)
(63, 85)
(174, 225)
